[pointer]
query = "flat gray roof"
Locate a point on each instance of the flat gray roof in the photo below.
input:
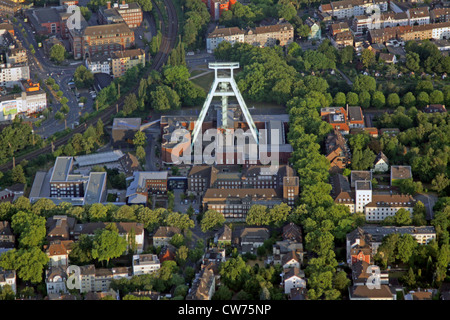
(98, 158)
(94, 189)
(127, 124)
(61, 169)
(37, 184)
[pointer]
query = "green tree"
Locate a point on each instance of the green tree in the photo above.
(409, 100)
(97, 212)
(423, 99)
(18, 175)
(367, 58)
(57, 53)
(403, 217)
(436, 97)
(139, 139)
(353, 99)
(340, 99)
(212, 219)
(378, 99)
(393, 100)
(413, 61)
(364, 83)
(108, 244)
(258, 215)
(364, 98)
(30, 227)
(83, 77)
(140, 152)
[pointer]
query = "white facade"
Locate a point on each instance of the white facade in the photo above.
(213, 42)
(9, 75)
(293, 263)
(27, 103)
(99, 66)
(363, 194)
(293, 282)
(381, 166)
(56, 281)
(8, 277)
(145, 264)
(379, 213)
(441, 33)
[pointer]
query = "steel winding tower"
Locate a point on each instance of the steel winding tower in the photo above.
(224, 86)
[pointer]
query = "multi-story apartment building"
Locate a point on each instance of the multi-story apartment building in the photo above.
(8, 7)
(235, 203)
(121, 61)
(346, 9)
(99, 64)
(16, 55)
(145, 264)
(264, 36)
(435, 31)
(268, 36)
(362, 243)
(129, 13)
(387, 20)
(11, 75)
(22, 103)
(231, 35)
(383, 206)
(440, 15)
(99, 280)
(418, 16)
(103, 39)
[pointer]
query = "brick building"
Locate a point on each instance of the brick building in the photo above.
(129, 13)
(103, 39)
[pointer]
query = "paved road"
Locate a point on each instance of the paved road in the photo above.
(429, 200)
(347, 79)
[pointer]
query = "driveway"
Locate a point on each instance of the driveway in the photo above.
(429, 200)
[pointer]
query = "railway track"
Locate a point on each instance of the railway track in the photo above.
(169, 37)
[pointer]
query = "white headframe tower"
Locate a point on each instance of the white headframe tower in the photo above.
(224, 86)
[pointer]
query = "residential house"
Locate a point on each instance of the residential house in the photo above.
(364, 293)
(339, 27)
(223, 237)
(337, 151)
(291, 260)
(364, 274)
(7, 238)
(342, 39)
(381, 163)
(203, 286)
(252, 238)
(145, 264)
(55, 280)
(60, 227)
(363, 242)
(58, 252)
(163, 235)
(125, 230)
(388, 58)
(432, 108)
(8, 277)
(315, 33)
(293, 278)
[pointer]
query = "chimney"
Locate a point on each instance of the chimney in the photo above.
(108, 4)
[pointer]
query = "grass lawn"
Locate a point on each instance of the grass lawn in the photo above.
(203, 82)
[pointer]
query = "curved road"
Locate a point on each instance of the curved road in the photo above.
(169, 37)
